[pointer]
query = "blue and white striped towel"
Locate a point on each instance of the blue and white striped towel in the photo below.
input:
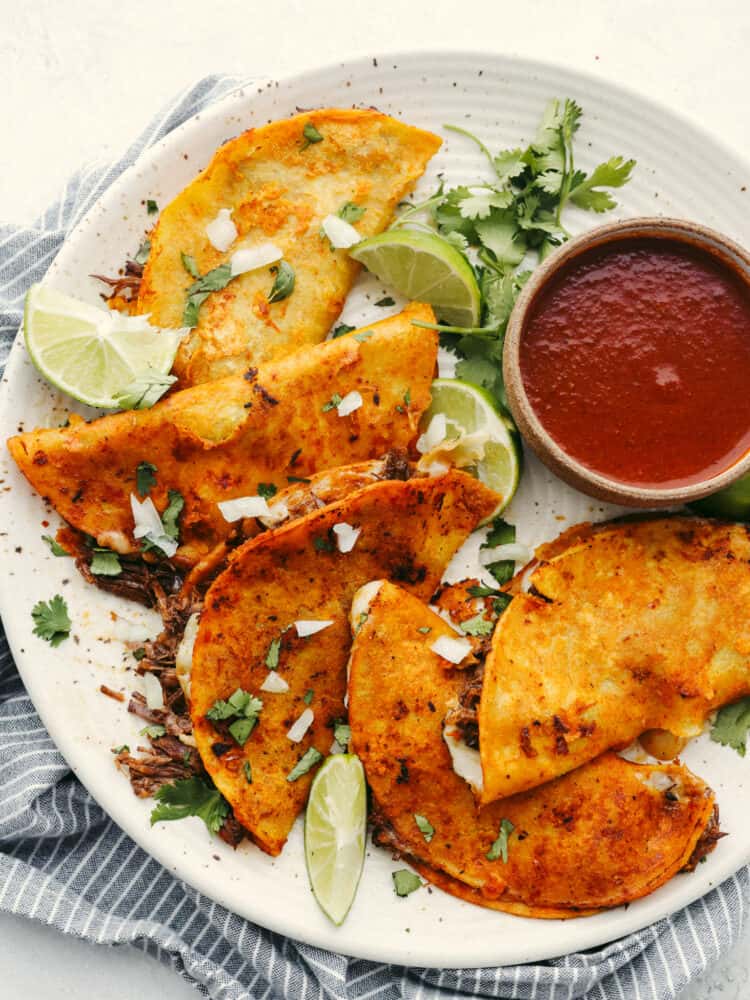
(64, 862)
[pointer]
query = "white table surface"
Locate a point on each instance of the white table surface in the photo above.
(81, 77)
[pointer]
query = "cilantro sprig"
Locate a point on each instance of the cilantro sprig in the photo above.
(243, 707)
(732, 724)
(191, 797)
(501, 533)
(51, 620)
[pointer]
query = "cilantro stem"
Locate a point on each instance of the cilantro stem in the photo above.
(421, 206)
(489, 332)
(463, 131)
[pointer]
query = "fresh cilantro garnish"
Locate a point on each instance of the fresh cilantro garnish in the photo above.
(297, 479)
(153, 732)
(363, 336)
(310, 135)
(406, 882)
(138, 654)
(499, 848)
(55, 548)
(425, 827)
(407, 397)
(308, 696)
(248, 770)
(190, 266)
(478, 625)
(517, 214)
(104, 562)
(51, 621)
(266, 490)
(387, 300)
(342, 733)
(341, 329)
(332, 403)
(501, 533)
(201, 288)
(361, 619)
(350, 211)
(144, 391)
(171, 513)
(732, 724)
(283, 285)
(151, 207)
(145, 478)
(501, 602)
(274, 651)
(322, 544)
(123, 748)
(306, 762)
(191, 797)
(482, 591)
(141, 255)
(241, 729)
(425, 629)
(243, 707)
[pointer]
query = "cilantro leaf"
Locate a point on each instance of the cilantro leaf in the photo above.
(189, 264)
(54, 546)
(425, 629)
(171, 513)
(144, 391)
(145, 478)
(341, 329)
(283, 285)
(479, 206)
(350, 212)
(123, 748)
(387, 300)
(198, 292)
(104, 562)
(307, 761)
(154, 731)
(478, 625)
(499, 848)
(482, 591)
(614, 173)
(151, 207)
(406, 882)
(732, 724)
(241, 729)
(321, 544)
(308, 696)
(191, 797)
(332, 403)
(266, 490)
(51, 621)
(425, 827)
(501, 533)
(363, 336)
(244, 707)
(342, 733)
(248, 771)
(310, 135)
(141, 254)
(274, 651)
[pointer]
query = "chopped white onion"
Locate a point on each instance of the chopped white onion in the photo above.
(512, 551)
(221, 231)
(340, 233)
(453, 650)
(436, 433)
(184, 659)
(351, 402)
(301, 726)
(346, 536)
(251, 258)
(434, 468)
(154, 693)
(446, 616)
(147, 524)
(361, 602)
(234, 510)
(274, 683)
(278, 512)
(308, 626)
(466, 761)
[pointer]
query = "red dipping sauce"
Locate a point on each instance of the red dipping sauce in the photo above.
(636, 359)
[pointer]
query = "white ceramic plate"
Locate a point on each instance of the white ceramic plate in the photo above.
(500, 99)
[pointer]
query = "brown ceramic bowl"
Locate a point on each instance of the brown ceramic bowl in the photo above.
(730, 255)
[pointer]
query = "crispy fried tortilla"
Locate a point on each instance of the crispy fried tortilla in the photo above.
(279, 188)
(221, 440)
(629, 627)
(408, 532)
(604, 835)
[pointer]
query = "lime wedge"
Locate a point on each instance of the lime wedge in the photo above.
(732, 503)
(470, 410)
(335, 826)
(424, 268)
(91, 353)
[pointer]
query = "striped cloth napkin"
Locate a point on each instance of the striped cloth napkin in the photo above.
(65, 863)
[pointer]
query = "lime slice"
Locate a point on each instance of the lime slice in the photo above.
(470, 410)
(732, 503)
(424, 268)
(91, 353)
(335, 825)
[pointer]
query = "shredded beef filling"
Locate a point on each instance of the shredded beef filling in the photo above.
(706, 843)
(125, 285)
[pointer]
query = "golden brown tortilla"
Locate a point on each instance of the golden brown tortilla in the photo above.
(279, 188)
(409, 531)
(630, 627)
(604, 835)
(221, 440)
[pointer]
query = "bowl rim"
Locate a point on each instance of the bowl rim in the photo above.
(726, 251)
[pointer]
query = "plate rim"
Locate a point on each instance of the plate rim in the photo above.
(131, 823)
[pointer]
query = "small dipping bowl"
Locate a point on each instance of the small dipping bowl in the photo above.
(627, 362)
